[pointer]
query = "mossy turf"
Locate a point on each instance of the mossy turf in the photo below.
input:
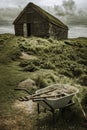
(57, 62)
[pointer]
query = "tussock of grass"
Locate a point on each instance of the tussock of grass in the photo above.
(83, 80)
(66, 57)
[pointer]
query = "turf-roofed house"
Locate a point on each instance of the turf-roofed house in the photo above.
(34, 21)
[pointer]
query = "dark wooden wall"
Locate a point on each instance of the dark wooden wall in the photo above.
(19, 30)
(57, 32)
(39, 26)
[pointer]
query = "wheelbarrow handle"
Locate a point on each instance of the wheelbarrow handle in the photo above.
(23, 89)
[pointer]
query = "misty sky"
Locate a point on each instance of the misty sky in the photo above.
(72, 12)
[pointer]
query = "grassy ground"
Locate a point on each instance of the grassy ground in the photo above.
(56, 62)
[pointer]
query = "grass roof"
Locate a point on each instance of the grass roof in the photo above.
(48, 16)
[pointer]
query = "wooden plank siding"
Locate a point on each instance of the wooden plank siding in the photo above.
(19, 30)
(57, 32)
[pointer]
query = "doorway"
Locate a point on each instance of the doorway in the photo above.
(25, 29)
(28, 29)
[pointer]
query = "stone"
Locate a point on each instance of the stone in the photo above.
(28, 84)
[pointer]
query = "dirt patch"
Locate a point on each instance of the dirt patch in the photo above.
(25, 107)
(8, 124)
(23, 117)
(25, 56)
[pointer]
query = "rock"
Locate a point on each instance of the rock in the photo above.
(25, 56)
(28, 84)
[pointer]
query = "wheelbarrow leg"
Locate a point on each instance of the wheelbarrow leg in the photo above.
(53, 112)
(45, 110)
(38, 108)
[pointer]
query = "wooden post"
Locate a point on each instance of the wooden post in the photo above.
(38, 108)
(45, 110)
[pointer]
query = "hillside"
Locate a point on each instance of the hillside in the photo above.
(46, 62)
